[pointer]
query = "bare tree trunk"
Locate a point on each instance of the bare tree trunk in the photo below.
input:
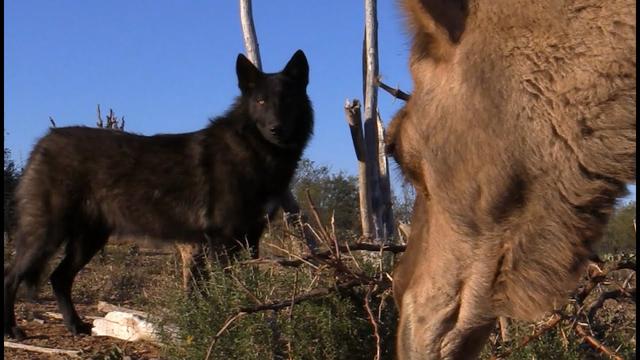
(375, 189)
(385, 184)
(371, 131)
(504, 328)
(249, 33)
(354, 118)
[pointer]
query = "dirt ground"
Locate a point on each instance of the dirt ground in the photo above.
(48, 332)
(134, 276)
(124, 275)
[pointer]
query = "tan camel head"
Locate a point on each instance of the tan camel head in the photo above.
(518, 138)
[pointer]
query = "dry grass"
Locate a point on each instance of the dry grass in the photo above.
(338, 324)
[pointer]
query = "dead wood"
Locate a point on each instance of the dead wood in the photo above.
(594, 343)
(44, 350)
(354, 119)
(249, 33)
(106, 307)
(309, 295)
(395, 92)
(374, 323)
(578, 315)
(386, 208)
(221, 331)
(370, 67)
(606, 295)
(547, 326)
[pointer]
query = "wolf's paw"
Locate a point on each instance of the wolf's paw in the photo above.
(15, 332)
(80, 328)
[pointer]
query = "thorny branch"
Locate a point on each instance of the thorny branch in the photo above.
(348, 275)
(548, 325)
(309, 295)
(578, 315)
(346, 278)
(594, 343)
(221, 331)
(575, 317)
(374, 322)
(112, 121)
(314, 259)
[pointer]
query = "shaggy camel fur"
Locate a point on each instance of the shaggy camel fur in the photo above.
(519, 137)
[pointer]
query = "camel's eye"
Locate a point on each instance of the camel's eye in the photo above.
(390, 148)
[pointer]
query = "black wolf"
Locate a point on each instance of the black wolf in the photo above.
(210, 186)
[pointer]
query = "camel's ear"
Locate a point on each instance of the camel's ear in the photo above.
(442, 21)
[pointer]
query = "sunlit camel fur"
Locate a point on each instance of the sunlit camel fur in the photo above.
(518, 137)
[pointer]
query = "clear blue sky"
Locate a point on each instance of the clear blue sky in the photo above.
(167, 66)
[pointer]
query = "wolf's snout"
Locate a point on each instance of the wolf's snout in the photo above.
(275, 129)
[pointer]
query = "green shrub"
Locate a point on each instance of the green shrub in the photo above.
(334, 326)
(619, 234)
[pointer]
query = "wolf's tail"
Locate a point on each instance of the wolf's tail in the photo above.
(38, 236)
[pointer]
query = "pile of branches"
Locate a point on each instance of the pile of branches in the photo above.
(611, 280)
(602, 282)
(330, 260)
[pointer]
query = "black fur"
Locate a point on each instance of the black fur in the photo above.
(82, 185)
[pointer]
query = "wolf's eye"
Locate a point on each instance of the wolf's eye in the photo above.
(260, 101)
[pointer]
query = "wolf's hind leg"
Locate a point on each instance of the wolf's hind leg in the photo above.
(34, 248)
(194, 271)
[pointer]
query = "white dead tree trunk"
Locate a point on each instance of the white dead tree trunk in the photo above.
(385, 184)
(370, 67)
(249, 33)
(375, 190)
(377, 175)
(354, 118)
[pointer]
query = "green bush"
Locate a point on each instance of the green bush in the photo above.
(619, 234)
(11, 176)
(334, 326)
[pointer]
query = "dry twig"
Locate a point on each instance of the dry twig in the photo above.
(548, 325)
(373, 321)
(594, 343)
(395, 92)
(310, 295)
(40, 349)
(221, 331)
(579, 314)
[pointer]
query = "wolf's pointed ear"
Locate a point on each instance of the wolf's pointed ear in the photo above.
(298, 68)
(443, 21)
(247, 73)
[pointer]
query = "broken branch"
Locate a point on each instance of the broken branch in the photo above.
(310, 295)
(395, 92)
(594, 343)
(40, 349)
